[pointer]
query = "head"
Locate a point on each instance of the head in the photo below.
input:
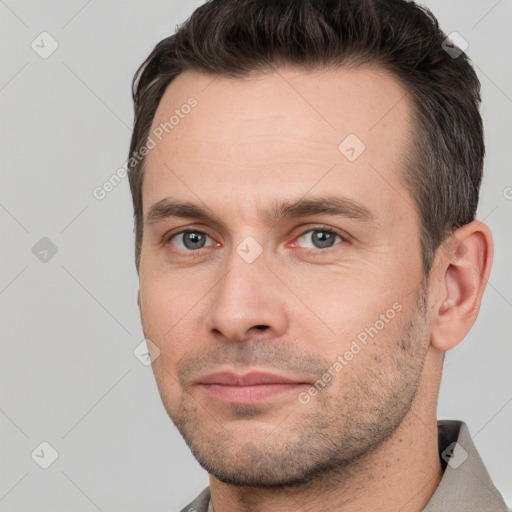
(305, 177)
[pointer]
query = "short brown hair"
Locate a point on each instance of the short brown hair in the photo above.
(236, 37)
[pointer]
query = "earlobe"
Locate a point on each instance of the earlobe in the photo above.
(463, 270)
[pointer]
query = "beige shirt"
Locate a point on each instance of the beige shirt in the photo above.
(465, 485)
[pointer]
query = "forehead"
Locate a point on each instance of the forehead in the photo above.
(247, 136)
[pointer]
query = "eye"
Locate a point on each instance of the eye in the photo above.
(320, 238)
(189, 240)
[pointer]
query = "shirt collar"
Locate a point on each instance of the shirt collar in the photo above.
(466, 484)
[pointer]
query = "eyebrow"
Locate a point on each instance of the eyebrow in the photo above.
(331, 205)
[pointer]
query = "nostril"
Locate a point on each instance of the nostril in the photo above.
(261, 327)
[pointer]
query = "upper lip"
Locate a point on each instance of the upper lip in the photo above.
(252, 378)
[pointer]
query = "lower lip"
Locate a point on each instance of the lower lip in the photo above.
(249, 394)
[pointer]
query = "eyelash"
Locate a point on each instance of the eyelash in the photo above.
(343, 236)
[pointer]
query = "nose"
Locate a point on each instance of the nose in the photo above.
(248, 302)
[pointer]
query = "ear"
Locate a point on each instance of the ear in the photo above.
(138, 299)
(462, 270)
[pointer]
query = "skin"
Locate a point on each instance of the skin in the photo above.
(368, 440)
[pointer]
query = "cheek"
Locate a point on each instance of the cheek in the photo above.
(165, 303)
(342, 303)
(162, 307)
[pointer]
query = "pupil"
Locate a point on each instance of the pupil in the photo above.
(193, 240)
(323, 239)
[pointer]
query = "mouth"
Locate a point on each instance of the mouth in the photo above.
(250, 388)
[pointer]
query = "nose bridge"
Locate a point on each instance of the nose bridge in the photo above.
(246, 297)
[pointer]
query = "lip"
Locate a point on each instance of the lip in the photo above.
(249, 379)
(249, 388)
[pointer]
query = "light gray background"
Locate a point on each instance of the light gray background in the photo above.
(69, 325)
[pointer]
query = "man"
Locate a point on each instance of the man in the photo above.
(305, 177)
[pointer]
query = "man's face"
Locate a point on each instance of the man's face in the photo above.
(314, 295)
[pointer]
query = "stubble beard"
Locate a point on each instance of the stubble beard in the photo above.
(338, 427)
